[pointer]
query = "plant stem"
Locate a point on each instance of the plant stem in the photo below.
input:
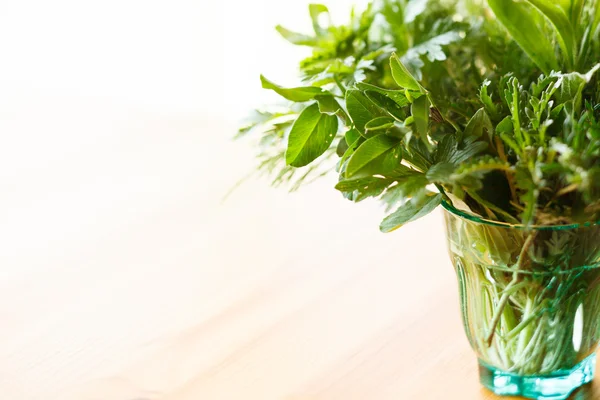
(507, 290)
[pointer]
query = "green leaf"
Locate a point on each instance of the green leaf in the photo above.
(478, 124)
(486, 100)
(352, 146)
(341, 148)
(410, 211)
(471, 172)
(329, 105)
(418, 155)
(562, 25)
(450, 151)
(387, 104)
(296, 38)
(363, 188)
(379, 155)
(315, 11)
(352, 136)
(299, 94)
(311, 135)
(420, 113)
(432, 48)
(596, 22)
(505, 126)
(410, 184)
(397, 96)
(575, 11)
(413, 9)
(403, 78)
(527, 26)
(362, 109)
(379, 124)
(571, 87)
(441, 172)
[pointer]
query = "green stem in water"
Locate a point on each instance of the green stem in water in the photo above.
(509, 289)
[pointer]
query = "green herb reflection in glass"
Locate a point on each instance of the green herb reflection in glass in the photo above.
(530, 301)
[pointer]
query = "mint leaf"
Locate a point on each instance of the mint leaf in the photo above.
(311, 135)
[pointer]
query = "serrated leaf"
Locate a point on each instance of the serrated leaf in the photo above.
(432, 48)
(470, 173)
(412, 210)
(450, 151)
(486, 100)
(363, 188)
(418, 155)
(298, 94)
(376, 156)
(362, 109)
(311, 135)
(413, 9)
(441, 173)
(410, 184)
(403, 78)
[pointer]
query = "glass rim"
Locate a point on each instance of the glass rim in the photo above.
(480, 220)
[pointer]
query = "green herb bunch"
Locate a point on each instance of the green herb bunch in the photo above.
(492, 106)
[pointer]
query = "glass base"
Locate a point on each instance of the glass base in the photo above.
(549, 387)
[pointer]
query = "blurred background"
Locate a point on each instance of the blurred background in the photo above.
(124, 274)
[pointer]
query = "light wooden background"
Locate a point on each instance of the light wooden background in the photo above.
(123, 274)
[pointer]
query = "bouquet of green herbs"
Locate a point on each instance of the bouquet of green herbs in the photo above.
(492, 107)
